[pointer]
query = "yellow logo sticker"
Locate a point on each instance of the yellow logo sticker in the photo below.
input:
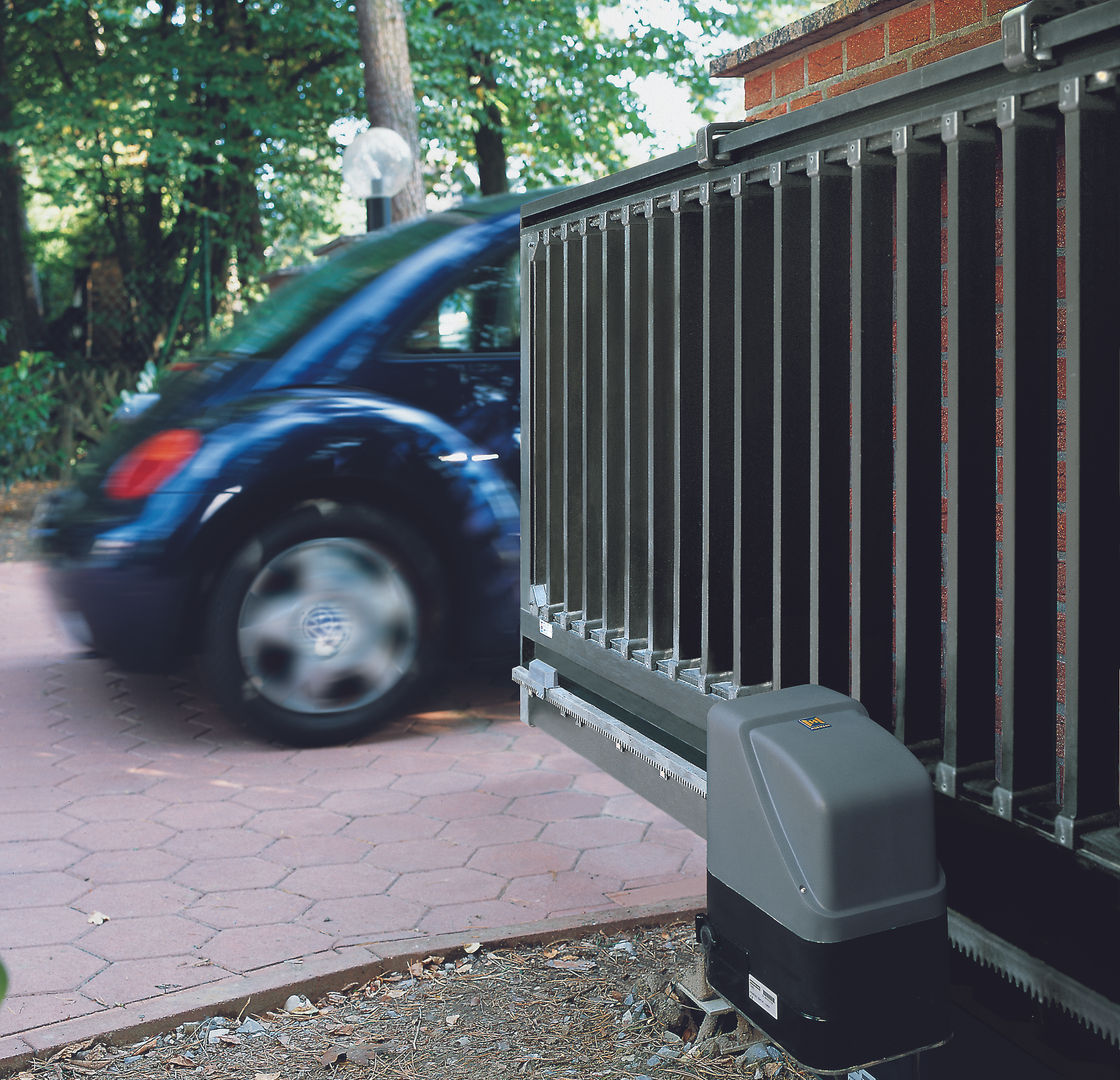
(814, 723)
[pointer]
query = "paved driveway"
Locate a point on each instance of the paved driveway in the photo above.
(155, 862)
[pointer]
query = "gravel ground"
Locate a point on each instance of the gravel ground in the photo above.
(595, 1006)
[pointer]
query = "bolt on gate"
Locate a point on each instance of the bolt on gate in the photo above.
(833, 399)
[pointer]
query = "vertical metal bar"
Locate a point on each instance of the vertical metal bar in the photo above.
(918, 439)
(534, 522)
(591, 250)
(662, 452)
(753, 342)
(717, 506)
(688, 252)
(872, 432)
(1092, 742)
(614, 435)
(1025, 755)
(573, 406)
(791, 425)
(971, 481)
(553, 428)
(635, 284)
(830, 332)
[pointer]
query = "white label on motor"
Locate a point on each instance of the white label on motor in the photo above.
(546, 628)
(763, 996)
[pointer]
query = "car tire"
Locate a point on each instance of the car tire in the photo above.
(325, 624)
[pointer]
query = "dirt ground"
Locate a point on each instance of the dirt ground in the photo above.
(595, 1006)
(17, 504)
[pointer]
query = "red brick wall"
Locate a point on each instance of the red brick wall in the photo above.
(859, 50)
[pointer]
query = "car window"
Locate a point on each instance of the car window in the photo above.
(481, 314)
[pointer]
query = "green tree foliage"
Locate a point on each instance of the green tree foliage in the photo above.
(545, 88)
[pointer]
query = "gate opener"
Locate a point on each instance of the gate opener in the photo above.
(826, 920)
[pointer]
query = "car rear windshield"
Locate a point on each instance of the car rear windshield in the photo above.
(284, 317)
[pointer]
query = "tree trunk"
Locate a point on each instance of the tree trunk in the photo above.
(390, 98)
(18, 311)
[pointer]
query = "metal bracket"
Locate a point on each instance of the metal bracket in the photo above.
(1019, 33)
(707, 156)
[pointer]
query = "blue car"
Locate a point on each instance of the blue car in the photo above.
(312, 503)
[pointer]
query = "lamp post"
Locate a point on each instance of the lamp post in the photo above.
(375, 166)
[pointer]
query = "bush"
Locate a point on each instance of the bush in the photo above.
(29, 446)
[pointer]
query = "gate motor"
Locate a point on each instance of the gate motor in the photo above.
(826, 923)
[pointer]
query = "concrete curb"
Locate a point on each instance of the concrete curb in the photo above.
(267, 988)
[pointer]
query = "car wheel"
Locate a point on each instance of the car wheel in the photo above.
(324, 625)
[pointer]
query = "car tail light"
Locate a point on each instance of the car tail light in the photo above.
(146, 467)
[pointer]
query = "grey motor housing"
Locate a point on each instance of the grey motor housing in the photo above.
(826, 920)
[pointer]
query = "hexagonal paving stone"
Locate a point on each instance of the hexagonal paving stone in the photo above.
(115, 807)
(599, 783)
(111, 867)
(216, 843)
(32, 800)
(224, 875)
(314, 821)
(526, 782)
(593, 832)
(322, 882)
(459, 882)
(637, 809)
(118, 782)
(21, 1013)
(315, 851)
(120, 835)
(136, 898)
(39, 926)
(365, 803)
(223, 815)
(244, 948)
(41, 825)
(364, 917)
(46, 889)
(501, 761)
(480, 915)
(388, 827)
(144, 936)
(521, 860)
(45, 969)
(441, 783)
(21, 856)
(559, 804)
(248, 907)
(405, 856)
(490, 830)
(461, 805)
(550, 894)
(631, 862)
(137, 980)
(472, 743)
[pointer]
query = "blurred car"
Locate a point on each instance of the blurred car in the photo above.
(313, 501)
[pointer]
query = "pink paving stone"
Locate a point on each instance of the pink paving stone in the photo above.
(242, 949)
(223, 815)
(549, 894)
(402, 762)
(107, 762)
(322, 759)
(564, 760)
(222, 875)
(37, 1010)
(522, 860)
(16, 800)
(638, 809)
(490, 830)
(45, 969)
(313, 821)
(113, 867)
(472, 743)
(85, 746)
(21, 857)
(115, 807)
(675, 836)
(453, 883)
(558, 805)
(365, 917)
(684, 889)
(144, 936)
(278, 798)
(204, 843)
(118, 782)
(136, 898)
(315, 851)
(534, 741)
(593, 832)
(451, 918)
(502, 761)
(440, 783)
(324, 882)
(389, 827)
(45, 889)
(30, 774)
(46, 825)
(137, 980)
(181, 792)
(631, 862)
(367, 803)
(248, 907)
(409, 855)
(39, 926)
(697, 862)
(599, 783)
(462, 804)
(120, 835)
(277, 773)
(526, 782)
(31, 757)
